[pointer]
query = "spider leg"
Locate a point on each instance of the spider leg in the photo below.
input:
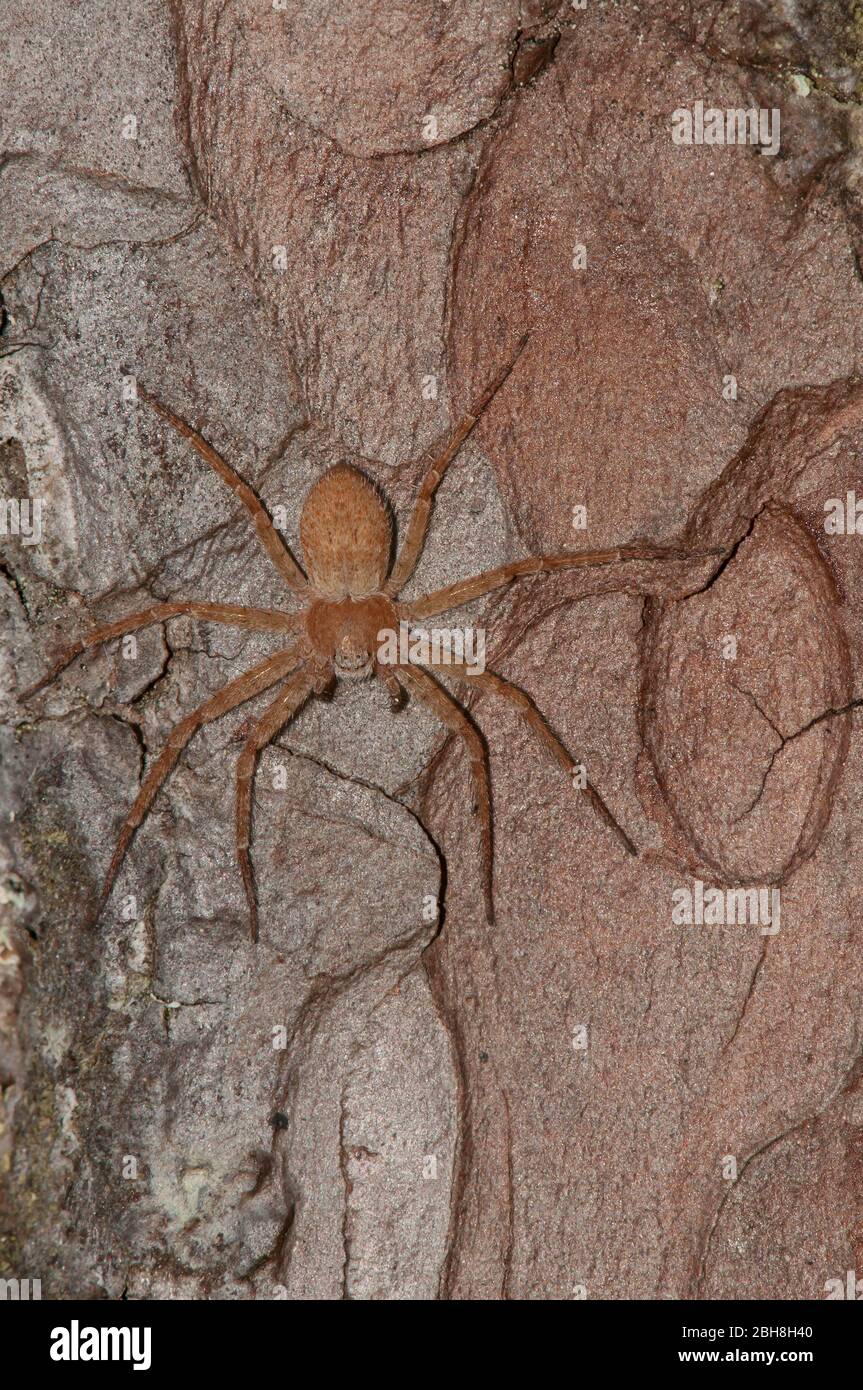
(269, 537)
(252, 682)
(463, 590)
(488, 680)
(459, 722)
(287, 703)
(386, 675)
(232, 615)
(415, 539)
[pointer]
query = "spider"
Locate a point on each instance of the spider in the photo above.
(348, 596)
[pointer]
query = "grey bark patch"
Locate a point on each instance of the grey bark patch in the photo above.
(194, 1037)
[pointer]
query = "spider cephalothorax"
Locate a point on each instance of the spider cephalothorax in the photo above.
(348, 597)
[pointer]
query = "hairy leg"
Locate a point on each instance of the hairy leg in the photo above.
(245, 687)
(231, 614)
(463, 590)
(415, 539)
(459, 722)
(488, 680)
(386, 675)
(287, 703)
(269, 537)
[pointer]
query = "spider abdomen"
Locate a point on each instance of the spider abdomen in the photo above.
(346, 535)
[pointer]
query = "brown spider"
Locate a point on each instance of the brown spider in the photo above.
(348, 599)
